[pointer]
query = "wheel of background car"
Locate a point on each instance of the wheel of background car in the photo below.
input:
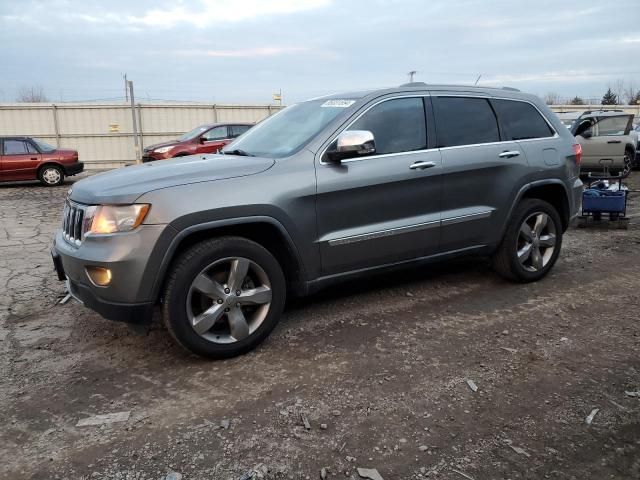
(51, 175)
(223, 297)
(532, 242)
(628, 158)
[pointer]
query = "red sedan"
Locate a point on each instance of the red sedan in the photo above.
(24, 158)
(203, 139)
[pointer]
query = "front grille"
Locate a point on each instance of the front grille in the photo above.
(73, 223)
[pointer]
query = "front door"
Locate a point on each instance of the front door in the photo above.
(213, 140)
(382, 208)
(606, 145)
(19, 160)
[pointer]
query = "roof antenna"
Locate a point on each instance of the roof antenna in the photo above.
(478, 79)
(411, 75)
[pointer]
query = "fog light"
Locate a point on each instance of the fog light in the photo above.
(99, 276)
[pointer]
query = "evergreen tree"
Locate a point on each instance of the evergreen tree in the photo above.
(635, 100)
(576, 101)
(609, 98)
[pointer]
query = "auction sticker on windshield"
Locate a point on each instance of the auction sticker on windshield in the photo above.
(338, 103)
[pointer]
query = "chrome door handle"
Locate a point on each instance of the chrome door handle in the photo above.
(421, 165)
(509, 154)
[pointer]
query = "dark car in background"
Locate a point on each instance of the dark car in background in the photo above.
(203, 139)
(25, 158)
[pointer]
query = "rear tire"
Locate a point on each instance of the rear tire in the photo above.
(212, 310)
(531, 243)
(51, 175)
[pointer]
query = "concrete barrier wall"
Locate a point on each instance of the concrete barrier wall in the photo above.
(103, 133)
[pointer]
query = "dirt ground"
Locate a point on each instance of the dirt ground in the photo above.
(379, 368)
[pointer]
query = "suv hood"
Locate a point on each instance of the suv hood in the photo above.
(125, 185)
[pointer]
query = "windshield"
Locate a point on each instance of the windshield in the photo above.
(43, 146)
(287, 131)
(193, 133)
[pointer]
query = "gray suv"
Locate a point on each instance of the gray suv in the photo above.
(328, 189)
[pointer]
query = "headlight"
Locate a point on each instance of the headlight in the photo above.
(116, 218)
(163, 149)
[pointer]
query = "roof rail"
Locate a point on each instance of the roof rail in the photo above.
(511, 89)
(414, 84)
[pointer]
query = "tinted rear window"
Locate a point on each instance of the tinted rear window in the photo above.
(464, 121)
(521, 120)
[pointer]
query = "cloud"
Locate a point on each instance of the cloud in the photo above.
(211, 12)
(243, 53)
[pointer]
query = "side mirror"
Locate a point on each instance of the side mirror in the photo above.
(587, 133)
(350, 144)
(203, 140)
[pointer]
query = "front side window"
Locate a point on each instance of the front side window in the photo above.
(464, 121)
(217, 133)
(397, 125)
(15, 147)
(237, 130)
(521, 120)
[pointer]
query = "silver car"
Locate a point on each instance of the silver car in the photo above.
(328, 189)
(607, 142)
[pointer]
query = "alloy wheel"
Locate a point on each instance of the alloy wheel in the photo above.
(229, 300)
(51, 176)
(536, 241)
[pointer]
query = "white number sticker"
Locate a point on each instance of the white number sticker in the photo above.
(338, 103)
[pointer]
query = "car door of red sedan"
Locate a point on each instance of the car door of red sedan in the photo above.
(19, 160)
(213, 140)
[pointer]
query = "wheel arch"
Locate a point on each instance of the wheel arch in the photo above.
(553, 191)
(266, 231)
(50, 163)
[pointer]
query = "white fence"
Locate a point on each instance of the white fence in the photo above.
(103, 133)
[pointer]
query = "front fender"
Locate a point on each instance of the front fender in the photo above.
(167, 245)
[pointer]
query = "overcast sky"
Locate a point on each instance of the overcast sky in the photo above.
(244, 50)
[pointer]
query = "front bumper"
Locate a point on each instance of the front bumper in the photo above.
(128, 298)
(73, 169)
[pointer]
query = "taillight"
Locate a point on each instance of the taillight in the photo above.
(577, 151)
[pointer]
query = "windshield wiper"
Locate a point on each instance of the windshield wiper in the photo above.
(237, 151)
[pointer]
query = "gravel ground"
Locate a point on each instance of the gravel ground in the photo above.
(378, 368)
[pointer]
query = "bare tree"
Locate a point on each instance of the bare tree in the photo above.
(576, 101)
(630, 92)
(552, 98)
(33, 94)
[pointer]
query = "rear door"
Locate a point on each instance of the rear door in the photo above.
(382, 208)
(20, 160)
(213, 140)
(479, 171)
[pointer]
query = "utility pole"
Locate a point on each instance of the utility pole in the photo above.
(411, 75)
(126, 89)
(135, 123)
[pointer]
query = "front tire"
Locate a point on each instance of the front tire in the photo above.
(532, 242)
(51, 175)
(223, 297)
